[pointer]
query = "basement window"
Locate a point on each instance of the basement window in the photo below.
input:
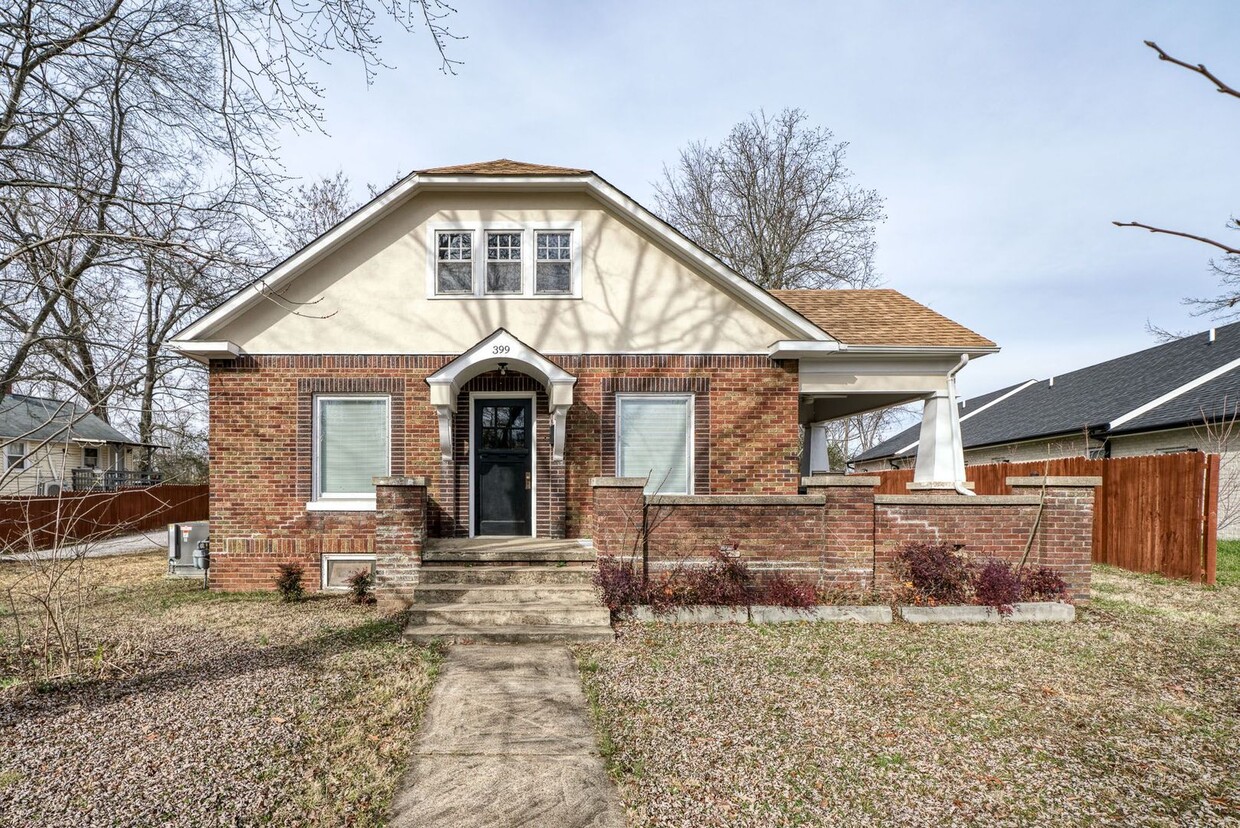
(338, 569)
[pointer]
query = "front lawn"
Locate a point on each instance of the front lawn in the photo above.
(1129, 716)
(1228, 563)
(202, 708)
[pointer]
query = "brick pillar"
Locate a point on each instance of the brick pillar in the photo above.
(1065, 536)
(618, 504)
(400, 531)
(847, 552)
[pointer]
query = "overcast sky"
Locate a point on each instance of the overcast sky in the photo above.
(1005, 137)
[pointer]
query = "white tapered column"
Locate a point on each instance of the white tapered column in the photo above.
(940, 452)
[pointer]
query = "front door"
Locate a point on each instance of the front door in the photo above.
(504, 434)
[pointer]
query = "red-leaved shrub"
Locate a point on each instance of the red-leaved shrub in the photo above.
(997, 584)
(621, 585)
(1043, 584)
(725, 583)
(935, 573)
(780, 591)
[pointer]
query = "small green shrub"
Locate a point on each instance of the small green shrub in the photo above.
(361, 587)
(288, 582)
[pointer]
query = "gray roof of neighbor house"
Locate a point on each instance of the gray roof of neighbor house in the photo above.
(1179, 383)
(39, 418)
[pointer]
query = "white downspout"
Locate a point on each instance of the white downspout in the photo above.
(957, 441)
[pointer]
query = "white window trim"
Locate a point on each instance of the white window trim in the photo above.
(343, 501)
(486, 253)
(473, 445)
(689, 446)
(329, 557)
(23, 460)
(473, 260)
(479, 231)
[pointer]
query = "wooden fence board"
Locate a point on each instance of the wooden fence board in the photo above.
(1154, 513)
(28, 523)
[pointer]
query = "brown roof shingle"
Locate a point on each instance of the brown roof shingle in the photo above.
(879, 317)
(502, 166)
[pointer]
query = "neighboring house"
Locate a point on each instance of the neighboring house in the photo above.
(1183, 395)
(503, 333)
(53, 445)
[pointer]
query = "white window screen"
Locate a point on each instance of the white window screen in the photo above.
(353, 444)
(654, 438)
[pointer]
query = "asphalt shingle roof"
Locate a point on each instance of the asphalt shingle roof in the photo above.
(502, 166)
(1094, 397)
(38, 418)
(879, 317)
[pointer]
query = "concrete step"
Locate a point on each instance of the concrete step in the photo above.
(504, 594)
(577, 613)
(532, 554)
(542, 634)
(431, 574)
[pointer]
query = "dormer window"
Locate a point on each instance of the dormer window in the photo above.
(553, 270)
(454, 272)
(505, 260)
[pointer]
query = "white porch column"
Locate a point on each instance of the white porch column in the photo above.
(816, 439)
(940, 451)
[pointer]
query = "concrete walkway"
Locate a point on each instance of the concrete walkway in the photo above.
(507, 741)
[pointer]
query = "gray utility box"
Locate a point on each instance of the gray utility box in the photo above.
(183, 539)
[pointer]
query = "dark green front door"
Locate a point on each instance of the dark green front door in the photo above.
(504, 434)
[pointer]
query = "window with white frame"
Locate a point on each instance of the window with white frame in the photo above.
(654, 440)
(553, 266)
(338, 569)
(454, 261)
(15, 455)
(352, 445)
(509, 259)
(503, 273)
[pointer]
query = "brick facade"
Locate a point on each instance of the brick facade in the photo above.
(840, 533)
(261, 425)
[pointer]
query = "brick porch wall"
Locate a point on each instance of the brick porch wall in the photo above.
(841, 534)
(261, 426)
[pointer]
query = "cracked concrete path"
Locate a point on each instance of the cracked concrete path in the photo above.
(507, 741)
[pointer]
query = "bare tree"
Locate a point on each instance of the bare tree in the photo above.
(1228, 266)
(316, 208)
(775, 202)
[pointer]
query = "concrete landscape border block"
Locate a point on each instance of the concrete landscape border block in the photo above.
(876, 614)
(1033, 611)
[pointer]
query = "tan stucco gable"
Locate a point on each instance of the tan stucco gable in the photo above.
(641, 290)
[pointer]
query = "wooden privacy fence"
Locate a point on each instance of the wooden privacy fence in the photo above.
(29, 523)
(1157, 513)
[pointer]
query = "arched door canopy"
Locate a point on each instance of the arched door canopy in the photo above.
(487, 355)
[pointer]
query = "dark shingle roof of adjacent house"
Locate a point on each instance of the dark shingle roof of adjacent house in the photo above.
(1107, 397)
(879, 317)
(38, 418)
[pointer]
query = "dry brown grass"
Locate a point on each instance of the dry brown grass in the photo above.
(203, 708)
(1130, 716)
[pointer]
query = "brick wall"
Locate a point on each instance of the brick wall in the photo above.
(841, 534)
(400, 532)
(261, 425)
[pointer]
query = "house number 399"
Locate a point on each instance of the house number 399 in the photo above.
(499, 349)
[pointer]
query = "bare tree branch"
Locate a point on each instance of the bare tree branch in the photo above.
(1199, 68)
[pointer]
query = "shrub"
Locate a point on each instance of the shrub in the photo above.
(1043, 584)
(622, 587)
(361, 587)
(935, 573)
(288, 582)
(725, 583)
(997, 584)
(781, 591)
